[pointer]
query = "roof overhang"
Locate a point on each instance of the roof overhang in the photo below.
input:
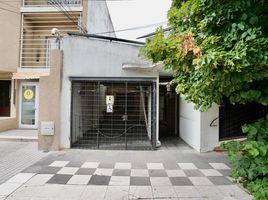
(147, 67)
(29, 75)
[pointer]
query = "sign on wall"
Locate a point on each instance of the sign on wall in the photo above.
(28, 94)
(110, 99)
(110, 108)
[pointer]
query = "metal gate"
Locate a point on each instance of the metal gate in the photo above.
(113, 115)
(232, 117)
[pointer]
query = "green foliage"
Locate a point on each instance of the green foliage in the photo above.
(219, 50)
(249, 159)
(231, 41)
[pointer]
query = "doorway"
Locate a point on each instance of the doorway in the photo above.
(113, 115)
(28, 105)
(168, 111)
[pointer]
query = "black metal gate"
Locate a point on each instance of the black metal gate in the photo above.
(232, 117)
(113, 115)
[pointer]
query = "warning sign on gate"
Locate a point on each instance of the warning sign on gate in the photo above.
(110, 99)
(110, 108)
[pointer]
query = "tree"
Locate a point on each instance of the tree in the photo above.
(218, 50)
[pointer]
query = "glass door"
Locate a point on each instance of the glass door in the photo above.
(29, 105)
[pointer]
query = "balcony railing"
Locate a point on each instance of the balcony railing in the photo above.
(51, 3)
(36, 34)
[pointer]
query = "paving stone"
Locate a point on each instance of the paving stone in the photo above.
(187, 191)
(7, 188)
(70, 192)
(79, 180)
(140, 192)
(99, 180)
(20, 178)
(155, 166)
(140, 172)
(157, 173)
(219, 166)
(96, 192)
(90, 165)
(74, 164)
(59, 164)
(233, 191)
(121, 172)
(211, 172)
(225, 172)
(140, 181)
(170, 166)
(85, 171)
(160, 181)
(187, 166)
(175, 173)
(103, 172)
(139, 165)
(209, 192)
(164, 192)
(220, 180)
(39, 179)
(49, 170)
(106, 165)
(120, 180)
(193, 173)
(59, 179)
(117, 193)
(180, 181)
(122, 166)
(68, 170)
(200, 181)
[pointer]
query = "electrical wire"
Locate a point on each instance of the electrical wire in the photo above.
(133, 28)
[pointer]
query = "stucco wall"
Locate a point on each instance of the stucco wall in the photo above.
(85, 57)
(190, 124)
(195, 127)
(9, 36)
(209, 134)
(49, 102)
(98, 18)
(8, 124)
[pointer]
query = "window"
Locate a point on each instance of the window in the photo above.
(5, 94)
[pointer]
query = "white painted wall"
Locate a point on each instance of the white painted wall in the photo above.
(209, 134)
(87, 57)
(195, 127)
(190, 122)
(98, 19)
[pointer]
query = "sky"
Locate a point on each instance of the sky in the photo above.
(135, 13)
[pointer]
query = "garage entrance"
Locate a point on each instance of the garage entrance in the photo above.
(113, 114)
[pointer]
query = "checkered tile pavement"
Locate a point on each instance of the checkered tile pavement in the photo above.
(134, 174)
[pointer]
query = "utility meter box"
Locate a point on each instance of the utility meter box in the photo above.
(47, 128)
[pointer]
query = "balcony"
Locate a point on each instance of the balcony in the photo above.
(36, 32)
(52, 3)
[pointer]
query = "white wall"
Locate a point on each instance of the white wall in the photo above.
(87, 57)
(195, 127)
(98, 18)
(190, 124)
(210, 134)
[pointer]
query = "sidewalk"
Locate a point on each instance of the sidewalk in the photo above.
(19, 135)
(97, 175)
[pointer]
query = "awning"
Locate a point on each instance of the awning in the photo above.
(29, 75)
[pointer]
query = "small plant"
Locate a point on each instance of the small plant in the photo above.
(249, 159)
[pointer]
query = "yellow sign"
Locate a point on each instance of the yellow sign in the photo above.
(109, 99)
(28, 94)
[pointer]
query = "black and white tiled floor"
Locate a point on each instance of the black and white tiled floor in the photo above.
(142, 174)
